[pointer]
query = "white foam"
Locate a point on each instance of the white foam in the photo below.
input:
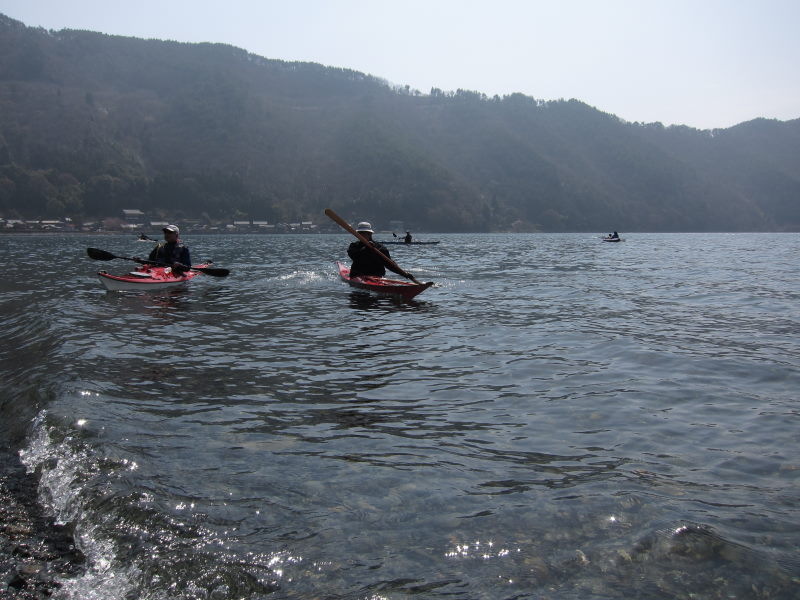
(65, 467)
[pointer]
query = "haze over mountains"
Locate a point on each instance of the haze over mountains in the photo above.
(91, 124)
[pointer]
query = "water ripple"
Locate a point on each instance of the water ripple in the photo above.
(557, 417)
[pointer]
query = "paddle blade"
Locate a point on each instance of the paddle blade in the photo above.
(98, 254)
(213, 271)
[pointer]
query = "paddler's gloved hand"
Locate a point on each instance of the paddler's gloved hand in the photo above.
(179, 268)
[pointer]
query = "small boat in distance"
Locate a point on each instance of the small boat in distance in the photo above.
(402, 243)
(612, 237)
(381, 285)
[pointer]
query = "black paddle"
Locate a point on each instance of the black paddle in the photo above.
(98, 254)
(346, 226)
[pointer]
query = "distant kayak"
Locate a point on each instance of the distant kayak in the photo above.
(146, 278)
(381, 285)
(400, 243)
(610, 239)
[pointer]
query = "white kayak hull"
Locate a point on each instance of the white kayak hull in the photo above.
(144, 278)
(114, 285)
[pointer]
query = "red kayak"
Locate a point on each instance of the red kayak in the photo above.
(381, 285)
(146, 277)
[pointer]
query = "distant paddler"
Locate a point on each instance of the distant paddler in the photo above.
(612, 237)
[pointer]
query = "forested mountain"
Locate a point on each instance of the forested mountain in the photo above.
(91, 124)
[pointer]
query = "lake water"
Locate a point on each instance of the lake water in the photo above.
(559, 418)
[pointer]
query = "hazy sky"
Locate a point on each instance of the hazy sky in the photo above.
(703, 63)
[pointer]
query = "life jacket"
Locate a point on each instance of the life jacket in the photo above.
(163, 252)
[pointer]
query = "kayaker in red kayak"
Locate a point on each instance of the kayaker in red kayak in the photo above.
(367, 262)
(172, 251)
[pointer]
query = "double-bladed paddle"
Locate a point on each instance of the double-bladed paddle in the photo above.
(346, 226)
(98, 254)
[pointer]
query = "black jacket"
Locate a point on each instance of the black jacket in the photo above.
(366, 262)
(171, 253)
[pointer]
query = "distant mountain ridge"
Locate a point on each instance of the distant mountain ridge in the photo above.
(91, 124)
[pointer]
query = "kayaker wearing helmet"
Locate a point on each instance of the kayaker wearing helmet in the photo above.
(365, 261)
(171, 251)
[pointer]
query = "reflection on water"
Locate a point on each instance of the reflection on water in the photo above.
(558, 417)
(368, 301)
(158, 301)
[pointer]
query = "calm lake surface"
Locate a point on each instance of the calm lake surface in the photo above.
(558, 418)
